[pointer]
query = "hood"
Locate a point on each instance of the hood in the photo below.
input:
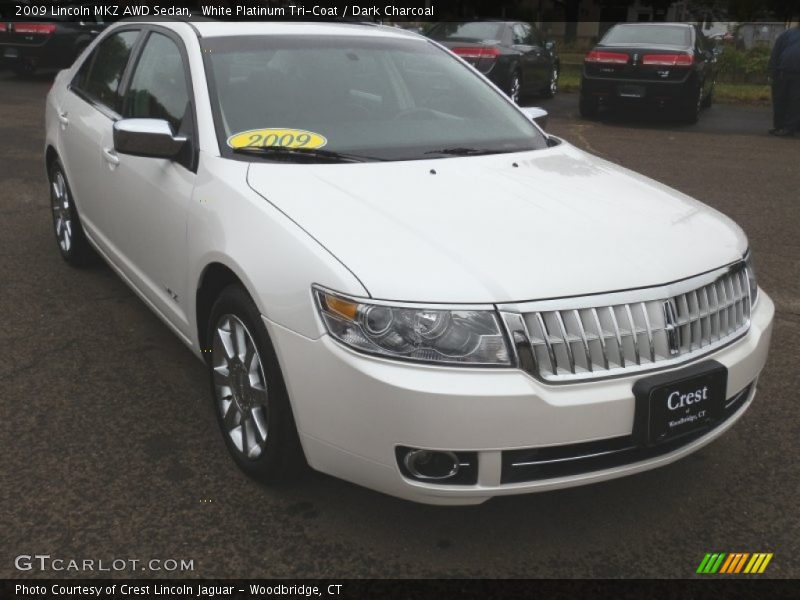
(479, 229)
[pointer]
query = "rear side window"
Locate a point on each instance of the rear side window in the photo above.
(100, 75)
(158, 88)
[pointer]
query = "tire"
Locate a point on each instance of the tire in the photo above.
(690, 113)
(588, 107)
(514, 90)
(709, 99)
(551, 88)
(70, 238)
(248, 392)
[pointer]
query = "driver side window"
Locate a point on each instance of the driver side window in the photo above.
(158, 88)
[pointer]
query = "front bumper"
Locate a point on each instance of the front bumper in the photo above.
(352, 411)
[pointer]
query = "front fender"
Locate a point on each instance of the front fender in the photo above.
(275, 259)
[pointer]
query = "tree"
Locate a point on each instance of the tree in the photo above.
(785, 10)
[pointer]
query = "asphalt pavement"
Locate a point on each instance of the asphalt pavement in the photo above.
(110, 448)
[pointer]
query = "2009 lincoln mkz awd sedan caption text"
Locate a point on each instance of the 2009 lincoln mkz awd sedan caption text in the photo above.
(390, 270)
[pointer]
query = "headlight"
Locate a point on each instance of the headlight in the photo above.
(457, 337)
(751, 277)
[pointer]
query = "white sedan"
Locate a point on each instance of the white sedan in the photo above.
(391, 272)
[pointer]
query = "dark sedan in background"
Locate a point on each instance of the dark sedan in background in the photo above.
(513, 54)
(42, 41)
(658, 65)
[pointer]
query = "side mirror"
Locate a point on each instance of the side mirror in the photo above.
(549, 45)
(536, 114)
(151, 138)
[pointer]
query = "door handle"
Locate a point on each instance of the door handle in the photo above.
(62, 118)
(110, 156)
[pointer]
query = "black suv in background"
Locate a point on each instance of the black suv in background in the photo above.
(651, 64)
(28, 43)
(513, 54)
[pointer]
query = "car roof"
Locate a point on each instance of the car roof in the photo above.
(366, 29)
(656, 24)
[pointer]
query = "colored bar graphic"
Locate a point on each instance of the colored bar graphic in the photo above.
(754, 563)
(734, 562)
(728, 563)
(710, 563)
(764, 564)
(718, 564)
(703, 563)
(741, 562)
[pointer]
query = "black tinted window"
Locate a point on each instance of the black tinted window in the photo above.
(158, 87)
(474, 30)
(100, 75)
(668, 35)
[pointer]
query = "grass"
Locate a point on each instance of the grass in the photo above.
(569, 80)
(571, 59)
(726, 93)
(743, 93)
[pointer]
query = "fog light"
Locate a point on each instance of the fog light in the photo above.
(428, 464)
(438, 466)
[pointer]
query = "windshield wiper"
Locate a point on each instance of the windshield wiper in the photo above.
(309, 152)
(463, 151)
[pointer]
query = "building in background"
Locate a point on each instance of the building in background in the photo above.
(752, 35)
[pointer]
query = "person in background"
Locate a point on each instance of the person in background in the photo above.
(784, 69)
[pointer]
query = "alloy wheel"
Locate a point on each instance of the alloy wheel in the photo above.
(554, 81)
(62, 211)
(240, 386)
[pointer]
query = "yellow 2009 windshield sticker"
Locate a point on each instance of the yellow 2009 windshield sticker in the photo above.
(288, 138)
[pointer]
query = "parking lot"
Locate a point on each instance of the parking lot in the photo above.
(111, 450)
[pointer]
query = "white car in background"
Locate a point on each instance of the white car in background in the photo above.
(390, 271)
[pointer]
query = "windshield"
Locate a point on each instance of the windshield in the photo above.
(474, 30)
(380, 98)
(660, 35)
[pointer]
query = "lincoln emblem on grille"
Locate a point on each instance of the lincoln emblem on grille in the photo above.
(671, 327)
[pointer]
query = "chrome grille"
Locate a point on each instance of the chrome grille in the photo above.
(583, 341)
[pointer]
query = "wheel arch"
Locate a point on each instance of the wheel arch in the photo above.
(50, 156)
(214, 278)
